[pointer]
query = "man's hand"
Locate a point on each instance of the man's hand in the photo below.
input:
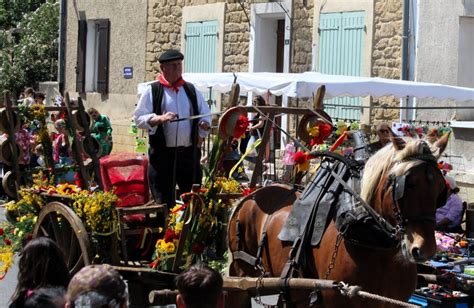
(160, 119)
(204, 125)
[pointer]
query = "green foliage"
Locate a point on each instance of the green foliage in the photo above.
(11, 11)
(33, 58)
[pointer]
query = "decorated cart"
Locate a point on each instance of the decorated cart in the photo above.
(145, 242)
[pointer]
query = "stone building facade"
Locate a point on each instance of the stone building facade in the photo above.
(387, 52)
(245, 42)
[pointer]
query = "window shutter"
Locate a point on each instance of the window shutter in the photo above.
(103, 61)
(81, 56)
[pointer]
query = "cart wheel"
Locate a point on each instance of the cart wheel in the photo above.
(59, 222)
(96, 146)
(6, 155)
(76, 118)
(4, 121)
(9, 185)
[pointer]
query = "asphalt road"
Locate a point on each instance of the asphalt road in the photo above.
(8, 284)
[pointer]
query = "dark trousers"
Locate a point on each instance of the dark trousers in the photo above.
(162, 176)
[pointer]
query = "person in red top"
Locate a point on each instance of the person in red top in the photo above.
(174, 153)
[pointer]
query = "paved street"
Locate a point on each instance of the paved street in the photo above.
(8, 284)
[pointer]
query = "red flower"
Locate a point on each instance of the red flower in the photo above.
(1, 231)
(325, 131)
(300, 157)
(247, 191)
(169, 236)
(198, 248)
(8, 242)
(241, 126)
(29, 236)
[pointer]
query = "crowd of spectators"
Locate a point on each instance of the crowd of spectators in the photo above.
(44, 282)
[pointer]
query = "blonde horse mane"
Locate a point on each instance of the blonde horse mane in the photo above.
(389, 160)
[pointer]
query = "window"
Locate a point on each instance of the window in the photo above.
(92, 68)
(201, 48)
(340, 53)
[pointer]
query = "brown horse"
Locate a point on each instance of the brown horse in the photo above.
(388, 272)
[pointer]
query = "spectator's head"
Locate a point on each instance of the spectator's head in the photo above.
(41, 264)
(199, 286)
(94, 113)
(39, 98)
(384, 132)
(259, 101)
(48, 297)
(452, 185)
(29, 92)
(97, 286)
(60, 125)
(171, 65)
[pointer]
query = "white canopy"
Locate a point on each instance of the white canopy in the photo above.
(305, 84)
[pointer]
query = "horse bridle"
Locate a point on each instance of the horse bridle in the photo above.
(397, 183)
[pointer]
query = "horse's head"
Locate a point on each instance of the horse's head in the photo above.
(403, 183)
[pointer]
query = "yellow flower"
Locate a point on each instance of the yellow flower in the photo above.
(179, 227)
(67, 189)
(159, 243)
(313, 131)
(6, 259)
(169, 247)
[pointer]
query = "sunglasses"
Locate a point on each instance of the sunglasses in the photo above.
(384, 131)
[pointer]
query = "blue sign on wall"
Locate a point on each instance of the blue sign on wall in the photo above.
(128, 72)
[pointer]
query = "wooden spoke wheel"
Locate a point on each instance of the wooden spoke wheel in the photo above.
(59, 222)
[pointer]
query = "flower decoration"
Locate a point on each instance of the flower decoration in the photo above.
(241, 126)
(319, 133)
(202, 221)
(68, 189)
(341, 127)
(302, 160)
(288, 155)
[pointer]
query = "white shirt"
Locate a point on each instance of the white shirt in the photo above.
(176, 133)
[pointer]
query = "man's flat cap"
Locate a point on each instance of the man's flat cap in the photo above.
(171, 55)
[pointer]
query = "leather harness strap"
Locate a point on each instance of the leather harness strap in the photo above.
(246, 257)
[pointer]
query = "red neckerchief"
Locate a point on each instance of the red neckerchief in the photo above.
(175, 86)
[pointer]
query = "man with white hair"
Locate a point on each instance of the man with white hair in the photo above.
(449, 216)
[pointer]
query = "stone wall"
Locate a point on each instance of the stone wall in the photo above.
(302, 36)
(387, 51)
(163, 31)
(236, 38)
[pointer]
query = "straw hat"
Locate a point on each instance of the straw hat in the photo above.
(310, 120)
(229, 120)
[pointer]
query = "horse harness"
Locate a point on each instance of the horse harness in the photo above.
(348, 225)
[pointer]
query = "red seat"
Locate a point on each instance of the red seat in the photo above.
(126, 174)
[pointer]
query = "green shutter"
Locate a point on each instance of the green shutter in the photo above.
(340, 53)
(201, 48)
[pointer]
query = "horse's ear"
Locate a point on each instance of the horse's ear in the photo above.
(431, 137)
(442, 143)
(398, 142)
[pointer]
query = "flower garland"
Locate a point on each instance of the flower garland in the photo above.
(96, 209)
(204, 225)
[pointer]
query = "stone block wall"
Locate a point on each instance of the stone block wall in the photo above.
(302, 36)
(236, 38)
(387, 51)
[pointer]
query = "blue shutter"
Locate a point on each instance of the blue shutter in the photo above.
(201, 48)
(340, 53)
